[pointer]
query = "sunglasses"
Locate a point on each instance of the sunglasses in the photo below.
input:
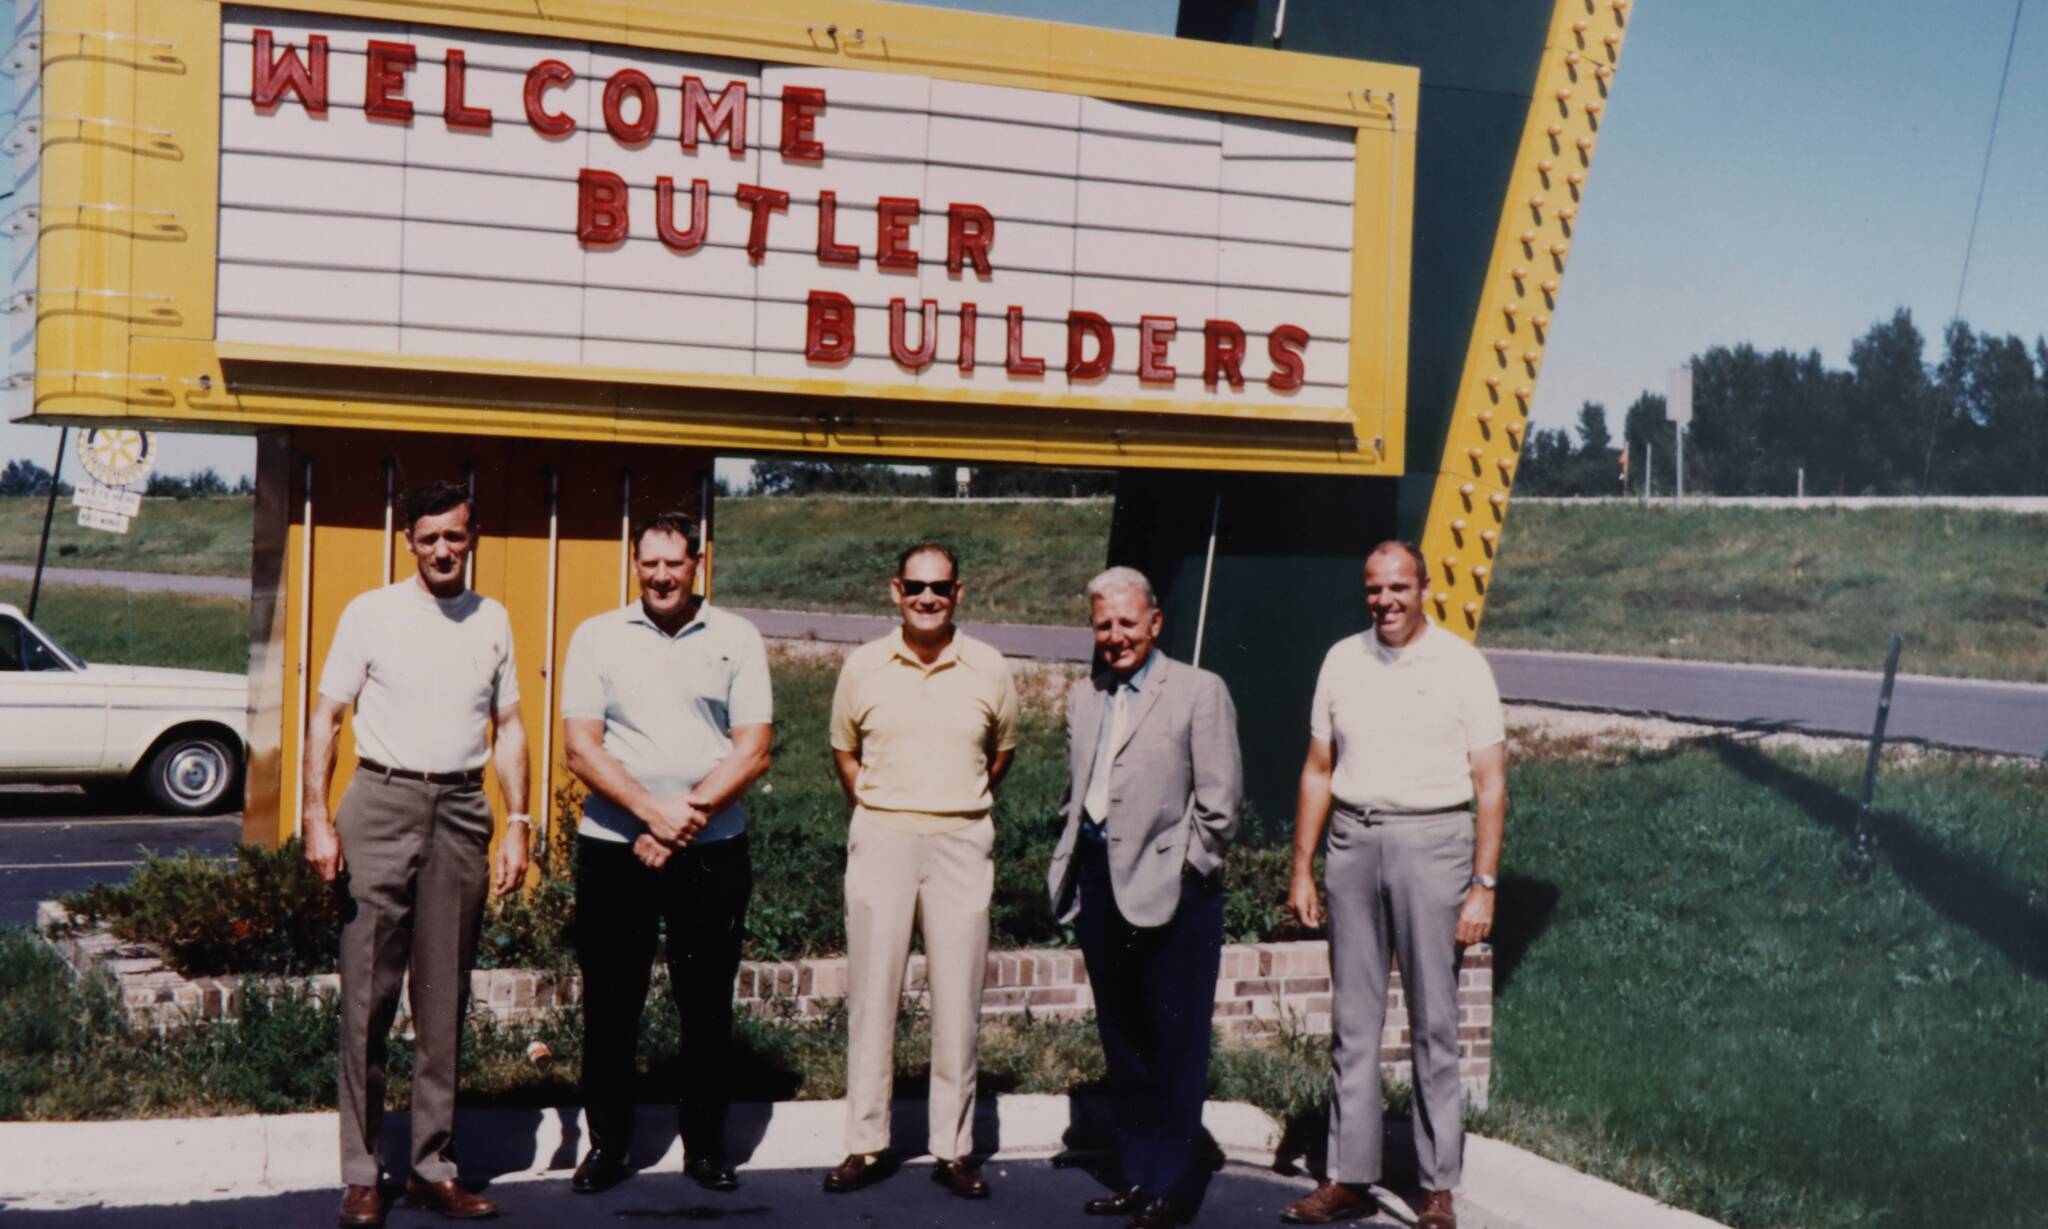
(911, 588)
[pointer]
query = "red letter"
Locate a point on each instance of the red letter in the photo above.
(384, 84)
(800, 107)
(830, 250)
(899, 343)
(600, 207)
(1284, 346)
(630, 81)
(893, 216)
(1155, 333)
(729, 116)
(457, 110)
(1222, 353)
(1015, 362)
(665, 214)
(969, 320)
(760, 200)
(538, 79)
(273, 76)
(828, 334)
(1079, 326)
(970, 244)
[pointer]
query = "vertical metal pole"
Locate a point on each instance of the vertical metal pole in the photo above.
(390, 512)
(546, 809)
(706, 496)
(469, 560)
(1884, 712)
(35, 589)
(625, 531)
(1208, 570)
(1649, 470)
(1679, 497)
(305, 641)
(1799, 489)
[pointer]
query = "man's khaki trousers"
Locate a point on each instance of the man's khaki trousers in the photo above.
(412, 899)
(1396, 882)
(940, 884)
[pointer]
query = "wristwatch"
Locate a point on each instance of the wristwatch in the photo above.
(1485, 881)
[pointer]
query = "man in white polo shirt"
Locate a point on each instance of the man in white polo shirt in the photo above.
(1407, 764)
(666, 715)
(428, 664)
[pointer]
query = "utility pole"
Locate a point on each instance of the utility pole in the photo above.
(35, 589)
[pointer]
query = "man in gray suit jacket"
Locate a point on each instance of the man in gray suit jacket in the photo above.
(1154, 778)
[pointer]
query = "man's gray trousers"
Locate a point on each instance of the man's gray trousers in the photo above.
(1395, 885)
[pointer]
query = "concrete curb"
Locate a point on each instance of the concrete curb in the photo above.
(69, 1164)
(170, 1161)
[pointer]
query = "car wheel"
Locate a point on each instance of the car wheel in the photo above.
(191, 773)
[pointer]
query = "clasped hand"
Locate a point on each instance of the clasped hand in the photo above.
(674, 824)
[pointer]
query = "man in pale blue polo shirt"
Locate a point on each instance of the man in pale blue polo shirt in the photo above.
(666, 712)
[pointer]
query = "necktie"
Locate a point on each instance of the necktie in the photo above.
(1096, 805)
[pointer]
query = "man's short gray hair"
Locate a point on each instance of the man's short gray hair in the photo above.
(1116, 580)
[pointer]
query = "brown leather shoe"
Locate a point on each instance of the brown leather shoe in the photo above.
(1331, 1201)
(1158, 1214)
(362, 1206)
(447, 1198)
(1437, 1212)
(858, 1170)
(960, 1178)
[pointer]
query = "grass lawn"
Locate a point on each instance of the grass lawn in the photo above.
(1819, 587)
(1021, 562)
(201, 537)
(1704, 995)
(115, 626)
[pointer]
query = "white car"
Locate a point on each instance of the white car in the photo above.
(179, 734)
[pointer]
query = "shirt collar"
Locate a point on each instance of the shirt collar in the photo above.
(637, 613)
(1414, 648)
(948, 656)
(1137, 680)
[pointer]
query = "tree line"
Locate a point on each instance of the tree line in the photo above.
(1975, 423)
(24, 477)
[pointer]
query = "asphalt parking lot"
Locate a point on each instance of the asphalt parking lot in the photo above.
(59, 839)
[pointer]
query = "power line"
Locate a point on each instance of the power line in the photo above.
(1976, 213)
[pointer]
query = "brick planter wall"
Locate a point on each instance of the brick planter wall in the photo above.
(1262, 988)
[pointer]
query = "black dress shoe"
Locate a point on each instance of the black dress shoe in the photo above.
(1127, 1202)
(1158, 1214)
(600, 1171)
(711, 1173)
(961, 1178)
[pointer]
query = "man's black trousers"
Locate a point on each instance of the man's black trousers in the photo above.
(701, 893)
(1155, 998)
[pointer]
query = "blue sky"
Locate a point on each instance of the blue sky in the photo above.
(1779, 173)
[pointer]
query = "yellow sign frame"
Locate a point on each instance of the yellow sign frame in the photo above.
(128, 244)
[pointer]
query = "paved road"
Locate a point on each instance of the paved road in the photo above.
(62, 839)
(1028, 1195)
(2009, 718)
(147, 582)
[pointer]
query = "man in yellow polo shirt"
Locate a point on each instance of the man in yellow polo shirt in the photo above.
(923, 726)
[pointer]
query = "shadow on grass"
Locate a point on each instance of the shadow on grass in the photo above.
(1969, 892)
(1525, 908)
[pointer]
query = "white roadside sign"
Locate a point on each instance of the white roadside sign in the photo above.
(1678, 395)
(107, 499)
(112, 522)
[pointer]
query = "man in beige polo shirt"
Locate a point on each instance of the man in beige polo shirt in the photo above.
(923, 726)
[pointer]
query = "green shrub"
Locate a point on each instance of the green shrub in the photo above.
(265, 912)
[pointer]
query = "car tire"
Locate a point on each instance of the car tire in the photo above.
(192, 774)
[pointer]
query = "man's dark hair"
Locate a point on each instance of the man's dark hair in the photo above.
(1414, 552)
(929, 548)
(435, 498)
(681, 524)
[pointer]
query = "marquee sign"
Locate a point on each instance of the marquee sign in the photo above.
(1106, 248)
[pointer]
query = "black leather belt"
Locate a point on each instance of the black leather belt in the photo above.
(474, 776)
